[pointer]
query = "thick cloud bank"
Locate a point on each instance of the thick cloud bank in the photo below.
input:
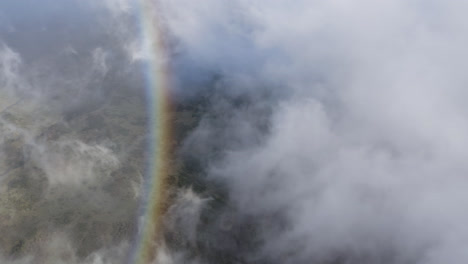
(364, 158)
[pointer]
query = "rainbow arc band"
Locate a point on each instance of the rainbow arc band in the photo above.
(158, 85)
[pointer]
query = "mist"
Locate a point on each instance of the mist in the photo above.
(72, 132)
(307, 131)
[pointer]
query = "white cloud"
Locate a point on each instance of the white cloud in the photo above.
(100, 57)
(365, 158)
(74, 162)
(10, 63)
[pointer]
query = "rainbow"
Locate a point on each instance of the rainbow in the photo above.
(158, 83)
